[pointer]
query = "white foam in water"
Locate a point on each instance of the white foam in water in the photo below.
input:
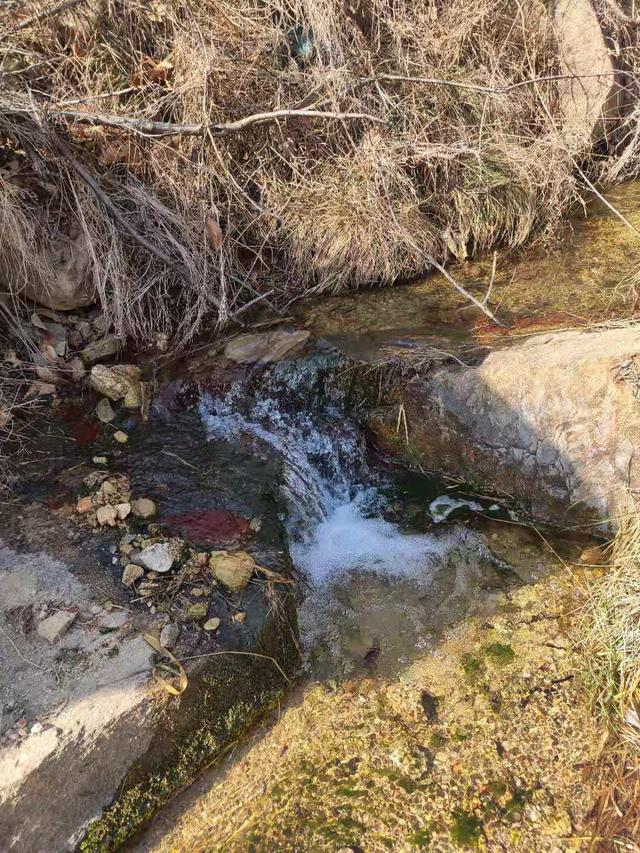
(329, 519)
(347, 540)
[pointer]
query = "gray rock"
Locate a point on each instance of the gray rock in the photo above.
(590, 93)
(104, 411)
(264, 348)
(53, 627)
(104, 348)
(573, 400)
(69, 284)
(114, 619)
(169, 635)
(158, 557)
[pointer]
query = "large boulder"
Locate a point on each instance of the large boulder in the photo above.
(69, 284)
(589, 92)
(553, 423)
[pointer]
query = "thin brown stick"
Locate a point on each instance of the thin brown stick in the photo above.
(464, 291)
(246, 654)
(146, 127)
(487, 90)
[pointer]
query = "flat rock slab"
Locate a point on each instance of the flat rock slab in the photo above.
(553, 423)
(265, 348)
(82, 694)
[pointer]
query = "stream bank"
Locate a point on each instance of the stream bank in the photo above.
(267, 463)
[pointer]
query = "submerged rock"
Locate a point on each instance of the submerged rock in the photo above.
(144, 508)
(169, 635)
(131, 574)
(158, 557)
(265, 348)
(233, 570)
(53, 627)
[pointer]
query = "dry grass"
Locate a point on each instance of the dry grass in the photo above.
(610, 637)
(303, 203)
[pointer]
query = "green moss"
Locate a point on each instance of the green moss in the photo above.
(422, 838)
(472, 665)
(466, 830)
(140, 801)
(218, 708)
(519, 799)
(500, 653)
(437, 740)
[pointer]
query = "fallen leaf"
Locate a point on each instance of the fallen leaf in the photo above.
(214, 233)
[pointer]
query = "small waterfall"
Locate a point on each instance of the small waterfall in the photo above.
(333, 504)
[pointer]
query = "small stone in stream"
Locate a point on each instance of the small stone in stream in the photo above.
(120, 382)
(53, 627)
(104, 411)
(123, 510)
(240, 616)
(233, 570)
(196, 612)
(84, 505)
(107, 514)
(144, 508)
(131, 574)
(429, 705)
(169, 635)
(104, 348)
(157, 558)
(113, 620)
(121, 437)
(212, 624)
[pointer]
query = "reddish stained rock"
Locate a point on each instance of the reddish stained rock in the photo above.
(81, 427)
(210, 527)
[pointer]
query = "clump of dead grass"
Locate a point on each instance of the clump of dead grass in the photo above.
(304, 203)
(610, 641)
(612, 635)
(446, 159)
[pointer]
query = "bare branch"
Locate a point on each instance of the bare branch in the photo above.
(485, 90)
(464, 291)
(163, 128)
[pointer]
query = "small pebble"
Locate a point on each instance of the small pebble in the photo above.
(121, 437)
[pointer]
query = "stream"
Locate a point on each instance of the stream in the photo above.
(430, 690)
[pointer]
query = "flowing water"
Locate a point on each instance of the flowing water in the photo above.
(384, 566)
